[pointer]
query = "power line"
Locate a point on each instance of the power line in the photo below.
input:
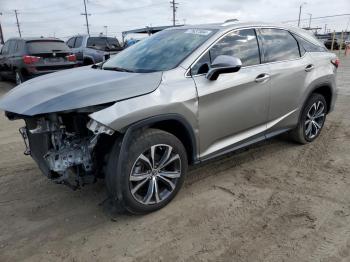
(320, 17)
(86, 18)
(19, 29)
(174, 5)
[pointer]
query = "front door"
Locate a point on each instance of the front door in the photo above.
(233, 108)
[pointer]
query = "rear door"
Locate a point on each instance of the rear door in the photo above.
(78, 49)
(289, 76)
(234, 107)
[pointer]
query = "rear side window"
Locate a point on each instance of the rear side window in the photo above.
(279, 45)
(306, 46)
(44, 46)
(103, 43)
(241, 44)
(78, 42)
(70, 42)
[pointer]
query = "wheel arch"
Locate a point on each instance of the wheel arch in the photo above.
(324, 89)
(87, 59)
(173, 124)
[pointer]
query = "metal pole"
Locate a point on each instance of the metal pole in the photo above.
(174, 11)
(341, 41)
(300, 12)
(1, 34)
(19, 29)
(325, 28)
(310, 20)
(86, 17)
(174, 7)
(333, 38)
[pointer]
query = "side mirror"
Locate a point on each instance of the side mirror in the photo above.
(223, 64)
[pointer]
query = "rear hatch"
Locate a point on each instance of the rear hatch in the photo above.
(52, 54)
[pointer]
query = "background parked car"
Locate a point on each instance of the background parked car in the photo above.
(24, 58)
(93, 49)
(328, 44)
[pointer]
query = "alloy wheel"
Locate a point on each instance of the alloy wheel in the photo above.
(155, 174)
(315, 119)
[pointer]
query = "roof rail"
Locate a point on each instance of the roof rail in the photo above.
(230, 21)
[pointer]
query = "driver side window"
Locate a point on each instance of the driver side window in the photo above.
(242, 44)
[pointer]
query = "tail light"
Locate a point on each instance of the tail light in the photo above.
(27, 59)
(71, 58)
(336, 62)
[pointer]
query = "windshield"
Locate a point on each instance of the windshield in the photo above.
(103, 43)
(160, 52)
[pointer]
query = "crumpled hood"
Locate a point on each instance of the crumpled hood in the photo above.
(77, 88)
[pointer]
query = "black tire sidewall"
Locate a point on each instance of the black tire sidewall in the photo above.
(139, 144)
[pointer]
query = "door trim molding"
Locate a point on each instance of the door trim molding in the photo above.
(232, 140)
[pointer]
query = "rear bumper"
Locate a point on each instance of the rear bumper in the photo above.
(43, 70)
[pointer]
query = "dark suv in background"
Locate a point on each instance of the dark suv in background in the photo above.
(93, 49)
(25, 58)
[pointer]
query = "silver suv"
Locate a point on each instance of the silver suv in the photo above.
(180, 97)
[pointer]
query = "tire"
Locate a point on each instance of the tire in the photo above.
(311, 120)
(88, 61)
(19, 77)
(147, 183)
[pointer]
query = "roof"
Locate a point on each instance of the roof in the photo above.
(36, 39)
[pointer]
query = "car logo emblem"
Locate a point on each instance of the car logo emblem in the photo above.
(54, 54)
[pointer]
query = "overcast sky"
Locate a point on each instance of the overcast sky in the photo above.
(62, 17)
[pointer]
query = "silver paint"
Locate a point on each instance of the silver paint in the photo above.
(231, 109)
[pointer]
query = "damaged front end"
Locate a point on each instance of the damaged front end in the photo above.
(69, 148)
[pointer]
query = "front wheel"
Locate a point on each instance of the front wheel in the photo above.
(311, 120)
(153, 173)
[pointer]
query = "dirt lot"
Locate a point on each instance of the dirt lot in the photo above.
(276, 201)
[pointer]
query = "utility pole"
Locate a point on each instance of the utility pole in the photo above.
(310, 17)
(86, 18)
(174, 7)
(325, 28)
(300, 7)
(19, 29)
(1, 34)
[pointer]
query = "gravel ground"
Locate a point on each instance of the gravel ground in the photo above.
(276, 201)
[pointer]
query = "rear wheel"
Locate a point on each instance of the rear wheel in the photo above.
(311, 120)
(153, 173)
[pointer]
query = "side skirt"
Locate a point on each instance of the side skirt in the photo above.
(243, 144)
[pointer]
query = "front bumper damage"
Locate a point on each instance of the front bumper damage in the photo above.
(65, 152)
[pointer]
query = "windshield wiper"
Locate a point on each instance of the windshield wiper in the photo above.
(118, 69)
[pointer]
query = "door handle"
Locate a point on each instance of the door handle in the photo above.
(262, 78)
(309, 68)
